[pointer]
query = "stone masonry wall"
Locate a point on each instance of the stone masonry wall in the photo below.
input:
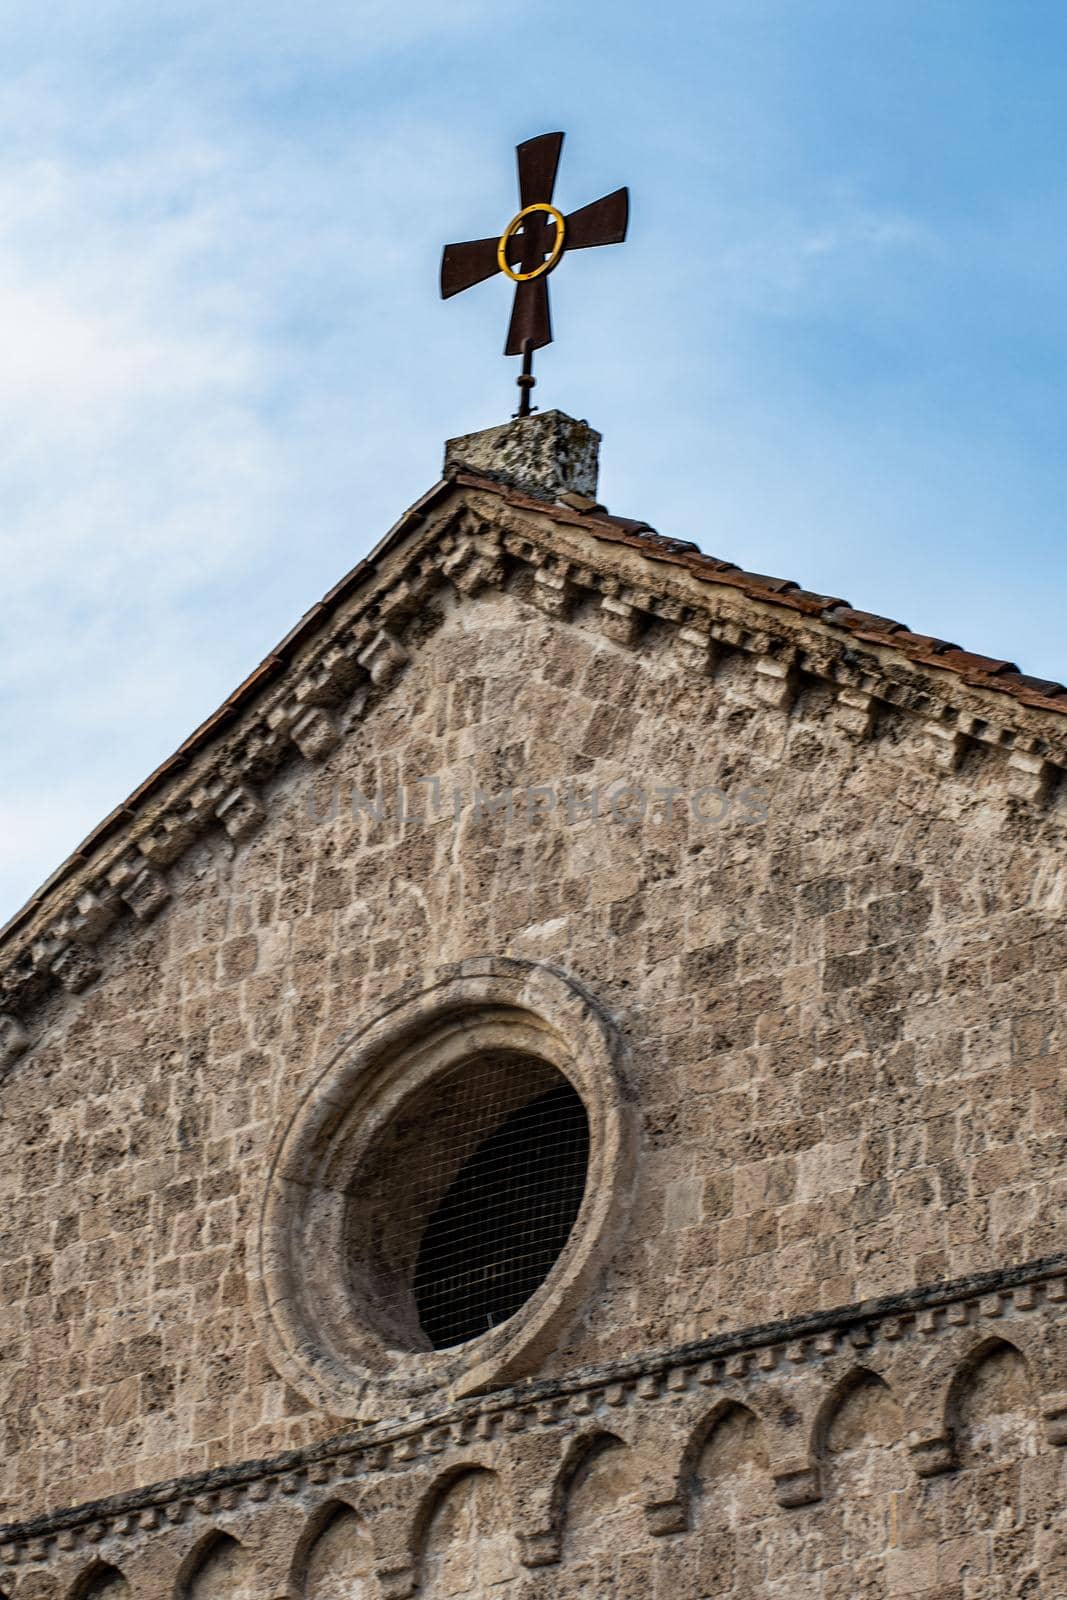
(847, 1042)
(569, 1504)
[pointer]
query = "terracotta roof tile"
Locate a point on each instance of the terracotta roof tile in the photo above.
(764, 580)
(815, 603)
(902, 638)
(846, 616)
(1043, 686)
(1029, 697)
(627, 524)
(172, 764)
(283, 649)
(965, 661)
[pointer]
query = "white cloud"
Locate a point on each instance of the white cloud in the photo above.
(785, 262)
(867, 231)
(172, 399)
(276, 35)
(223, 369)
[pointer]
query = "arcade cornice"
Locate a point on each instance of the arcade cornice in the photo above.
(790, 1373)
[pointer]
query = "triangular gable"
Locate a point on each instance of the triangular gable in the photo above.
(469, 532)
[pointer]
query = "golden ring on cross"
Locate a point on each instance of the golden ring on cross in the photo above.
(514, 225)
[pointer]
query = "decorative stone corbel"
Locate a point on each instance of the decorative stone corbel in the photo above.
(383, 657)
(1054, 1411)
(1030, 776)
(542, 1548)
(330, 678)
(665, 1516)
(14, 1041)
(167, 840)
(93, 916)
(552, 591)
(697, 650)
(798, 1486)
(265, 744)
(241, 813)
(931, 1455)
(396, 1583)
(75, 968)
(776, 681)
(619, 620)
(203, 800)
(855, 713)
(146, 893)
(402, 600)
(472, 566)
(338, 670)
(945, 744)
(315, 734)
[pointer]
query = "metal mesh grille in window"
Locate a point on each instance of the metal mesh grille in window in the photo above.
(506, 1212)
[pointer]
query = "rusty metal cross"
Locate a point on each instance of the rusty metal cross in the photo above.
(530, 247)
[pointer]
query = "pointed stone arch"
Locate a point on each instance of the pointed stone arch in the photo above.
(741, 1430)
(334, 1558)
(858, 1440)
(847, 1395)
(602, 1489)
(100, 1581)
(578, 1452)
(218, 1567)
(468, 1512)
(995, 1380)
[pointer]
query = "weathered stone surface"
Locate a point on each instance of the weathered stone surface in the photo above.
(838, 967)
(240, 812)
(547, 455)
(13, 1040)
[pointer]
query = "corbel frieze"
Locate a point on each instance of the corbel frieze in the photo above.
(787, 1373)
(469, 548)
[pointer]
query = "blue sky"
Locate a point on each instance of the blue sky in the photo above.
(833, 348)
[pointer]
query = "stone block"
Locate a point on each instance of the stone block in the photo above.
(315, 734)
(383, 657)
(146, 894)
(546, 455)
(241, 812)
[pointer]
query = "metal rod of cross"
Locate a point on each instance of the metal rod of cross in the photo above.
(530, 247)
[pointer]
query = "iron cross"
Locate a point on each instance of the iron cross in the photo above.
(530, 247)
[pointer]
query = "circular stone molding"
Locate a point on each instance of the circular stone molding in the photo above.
(321, 1299)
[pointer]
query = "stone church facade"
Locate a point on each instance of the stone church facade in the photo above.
(550, 858)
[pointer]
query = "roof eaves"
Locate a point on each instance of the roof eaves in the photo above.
(268, 669)
(924, 650)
